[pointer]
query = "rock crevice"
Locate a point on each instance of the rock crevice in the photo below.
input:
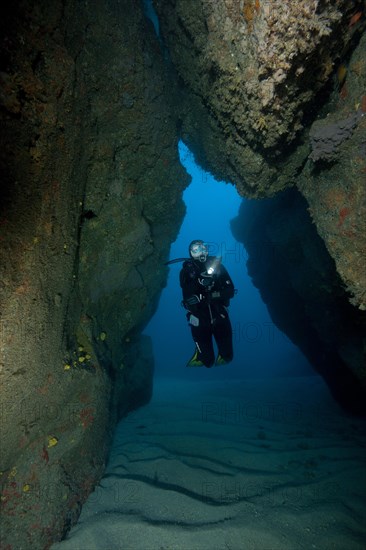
(92, 105)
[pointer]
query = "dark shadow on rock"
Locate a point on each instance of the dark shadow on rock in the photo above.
(289, 264)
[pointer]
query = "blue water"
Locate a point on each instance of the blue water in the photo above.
(150, 13)
(260, 348)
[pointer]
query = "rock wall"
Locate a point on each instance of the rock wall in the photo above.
(333, 179)
(255, 76)
(256, 67)
(90, 202)
(297, 279)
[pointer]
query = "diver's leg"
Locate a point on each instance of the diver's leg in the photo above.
(204, 348)
(224, 338)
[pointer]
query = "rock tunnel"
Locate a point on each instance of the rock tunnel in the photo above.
(95, 97)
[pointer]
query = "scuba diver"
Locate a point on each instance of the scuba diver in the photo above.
(207, 289)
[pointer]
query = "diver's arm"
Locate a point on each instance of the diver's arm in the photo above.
(224, 289)
(193, 293)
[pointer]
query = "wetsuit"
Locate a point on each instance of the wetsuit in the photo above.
(206, 298)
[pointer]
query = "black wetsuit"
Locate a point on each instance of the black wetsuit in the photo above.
(206, 299)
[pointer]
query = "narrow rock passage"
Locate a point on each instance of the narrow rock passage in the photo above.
(269, 464)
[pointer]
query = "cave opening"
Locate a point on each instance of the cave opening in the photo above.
(261, 350)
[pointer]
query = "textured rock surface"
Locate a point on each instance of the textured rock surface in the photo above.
(90, 201)
(255, 75)
(326, 139)
(256, 68)
(334, 184)
(289, 264)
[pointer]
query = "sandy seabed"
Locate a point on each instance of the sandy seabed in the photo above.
(249, 464)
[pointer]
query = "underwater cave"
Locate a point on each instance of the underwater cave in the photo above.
(183, 275)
